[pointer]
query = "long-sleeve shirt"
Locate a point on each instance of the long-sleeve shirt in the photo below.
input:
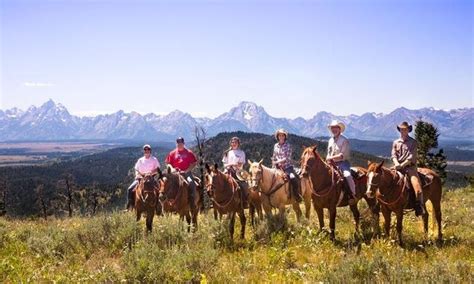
(339, 145)
(282, 155)
(405, 150)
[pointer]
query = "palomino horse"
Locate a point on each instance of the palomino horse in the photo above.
(225, 194)
(327, 188)
(146, 199)
(174, 192)
(390, 188)
(275, 190)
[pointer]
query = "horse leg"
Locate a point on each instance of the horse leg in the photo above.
(252, 213)
(243, 221)
(356, 214)
(437, 215)
(425, 224)
(386, 216)
(139, 214)
(188, 220)
(400, 226)
(307, 205)
(215, 213)
(320, 213)
(296, 207)
(332, 223)
(231, 225)
(149, 220)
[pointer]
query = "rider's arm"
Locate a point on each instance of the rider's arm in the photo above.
(394, 154)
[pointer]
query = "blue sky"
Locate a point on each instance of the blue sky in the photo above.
(295, 58)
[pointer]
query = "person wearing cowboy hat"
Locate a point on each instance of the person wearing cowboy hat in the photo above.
(404, 156)
(281, 159)
(148, 164)
(338, 154)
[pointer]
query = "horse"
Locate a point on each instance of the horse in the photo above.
(327, 186)
(275, 190)
(254, 199)
(174, 191)
(390, 189)
(226, 197)
(146, 199)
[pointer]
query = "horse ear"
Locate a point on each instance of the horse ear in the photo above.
(168, 169)
(159, 172)
(379, 166)
(208, 168)
(315, 149)
(216, 167)
(249, 161)
(260, 163)
(369, 162)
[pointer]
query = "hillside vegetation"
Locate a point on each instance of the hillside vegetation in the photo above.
(113, 247)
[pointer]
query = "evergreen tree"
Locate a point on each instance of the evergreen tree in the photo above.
(426, 135)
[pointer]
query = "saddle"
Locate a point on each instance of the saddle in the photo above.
(425, 181)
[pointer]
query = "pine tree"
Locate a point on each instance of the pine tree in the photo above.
(426, 135)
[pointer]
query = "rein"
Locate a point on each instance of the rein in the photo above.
(234, 190)
(402, 191)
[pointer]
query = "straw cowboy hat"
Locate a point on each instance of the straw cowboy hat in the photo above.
(336, 123)
(405, 125)
(281, 131)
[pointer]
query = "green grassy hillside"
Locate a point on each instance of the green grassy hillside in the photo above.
(114, 247)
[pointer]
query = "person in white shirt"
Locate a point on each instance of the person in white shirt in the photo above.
(148, 164)
(234, 161)
(339, 152)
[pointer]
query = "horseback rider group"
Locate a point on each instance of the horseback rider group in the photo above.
(183, 160)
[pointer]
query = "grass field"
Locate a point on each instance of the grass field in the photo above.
(113, 247)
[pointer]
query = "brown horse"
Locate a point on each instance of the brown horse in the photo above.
(328, 188)
(225, 194)
(146, 199)
(174, 191)
(391, 190)
(275, 190)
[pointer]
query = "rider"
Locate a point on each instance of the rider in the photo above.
(234, 161)
(281, 159)
(404, 155)
(184, 160)
(338, 153)
(148, 164)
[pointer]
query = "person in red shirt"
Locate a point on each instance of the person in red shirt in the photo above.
(183, 160)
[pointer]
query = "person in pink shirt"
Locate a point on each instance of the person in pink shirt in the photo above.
(148, 164)
(183, 160)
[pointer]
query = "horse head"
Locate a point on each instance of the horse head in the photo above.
(169, 179)
(309, 157)
(213, 178)
(255, 173)
(374, 177)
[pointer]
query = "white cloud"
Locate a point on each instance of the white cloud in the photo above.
(38, 84)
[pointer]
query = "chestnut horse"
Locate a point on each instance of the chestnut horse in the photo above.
(146, 199)
(225, 195)
(390, 188)
(327, 186)
(275, 190)
(174, 192)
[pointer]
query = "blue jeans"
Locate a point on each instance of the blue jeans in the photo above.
(345, 167)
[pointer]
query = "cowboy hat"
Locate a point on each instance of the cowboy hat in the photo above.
(281, 131)
(405, 125)
(336, 123)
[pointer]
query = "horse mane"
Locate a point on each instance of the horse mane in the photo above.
(312, 150)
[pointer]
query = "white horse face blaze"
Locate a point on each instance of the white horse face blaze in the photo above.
(370, 179)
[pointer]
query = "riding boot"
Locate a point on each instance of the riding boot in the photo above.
(420, 205)
(130, 199)
(295, 188)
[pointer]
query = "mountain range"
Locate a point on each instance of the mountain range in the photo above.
(52, 121)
